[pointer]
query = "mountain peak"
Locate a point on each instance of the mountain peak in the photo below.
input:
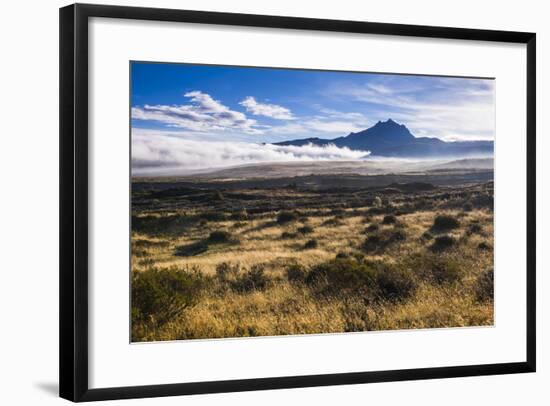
(388, 123)
(385, 130)
(389, 138)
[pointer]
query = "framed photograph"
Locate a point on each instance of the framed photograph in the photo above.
(257, 202)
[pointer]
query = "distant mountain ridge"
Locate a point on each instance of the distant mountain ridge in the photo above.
(390, 139)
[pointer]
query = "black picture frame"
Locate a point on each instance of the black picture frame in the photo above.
(74, 195)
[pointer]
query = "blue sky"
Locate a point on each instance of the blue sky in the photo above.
(267, 105)
(193, 117)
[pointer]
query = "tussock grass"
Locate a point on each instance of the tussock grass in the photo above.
(444, 222)
(205, 273)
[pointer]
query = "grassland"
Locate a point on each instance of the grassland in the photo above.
(310, 254)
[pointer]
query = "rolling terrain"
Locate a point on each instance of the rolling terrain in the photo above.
(307, 248)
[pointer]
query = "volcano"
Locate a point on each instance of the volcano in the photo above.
(391, 139)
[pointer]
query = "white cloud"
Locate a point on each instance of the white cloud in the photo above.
(204, 114)
(156, 153)
(342, 127)
(446, 108)
(332, 123)
(267, 110)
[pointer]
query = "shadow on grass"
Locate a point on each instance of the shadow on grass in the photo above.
(191, 250)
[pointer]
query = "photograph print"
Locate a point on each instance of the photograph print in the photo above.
(272, 201)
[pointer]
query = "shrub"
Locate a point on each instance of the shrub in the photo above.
(286, 217)
(147, 262)
(159, 295)
(310, 244)
(427, 236)
(434, 268)
(443, 242)
(467, 207)
(445, 272)
(444, 222)
(377, 210)
(395, 283)
(217, 196)
(220, 237)
(333, 222)
(305, 229)
(474, 228)
(213, 216)
(286, 235)
(483, 201)
(239, 215)
(381, 240)
(371, 281)
(253, 279)
(296, 273)
(161, 225)
(225, 271)
(397, 236)
(484, 246)
(342, 276)
(484, 288)
(373, 242)
(377, 202)
(372, 228)
(389, 219)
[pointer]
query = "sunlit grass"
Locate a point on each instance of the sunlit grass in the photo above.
(285, 306)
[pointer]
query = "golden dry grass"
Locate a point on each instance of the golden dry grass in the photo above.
(285, 307)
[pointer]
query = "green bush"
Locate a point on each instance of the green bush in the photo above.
(446, 272)
(284, 217)
(434, 268)
(342, 276)
(373, 281)
(159, 295)
(444, 223)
